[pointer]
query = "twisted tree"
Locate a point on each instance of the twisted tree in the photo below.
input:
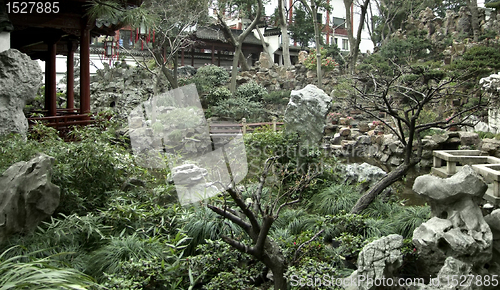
(405, 96)
(257, 217)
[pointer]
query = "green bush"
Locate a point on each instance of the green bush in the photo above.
(216, 95)
(85, 170)
(488, 34)
(111, 257)
(478, 62)
(309, 271)
(406, 50)
(238, 108)
(210, 77)
(397, 51)
(216, 262)
(251, 91)
(277, 97)
(146, 269)
(264, 143)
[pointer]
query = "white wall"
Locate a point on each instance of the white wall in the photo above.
(4, 41)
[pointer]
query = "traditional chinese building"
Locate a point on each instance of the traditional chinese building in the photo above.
(55, 28)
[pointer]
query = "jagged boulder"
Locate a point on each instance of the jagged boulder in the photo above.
(306, 113)
(364, 172)
(265, 61)
(493, 220)
(122, 89)
(379, 259)
(20, 79)
(457, 228)
(27, 195)
(452, 273)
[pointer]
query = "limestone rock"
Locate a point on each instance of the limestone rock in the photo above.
(493, 220)
(439, 138)
(363, 127)
(345, 132)
(468, 138)
(20, 79)
(265, 61)
(363, 172)
(363, 140)
(188, 174)
(453, 268)
(27, 195)
(302, 56)
(491, 147)
(444, 192)
(429, 144)
(458, 228)
(306, 113)
(379, 259)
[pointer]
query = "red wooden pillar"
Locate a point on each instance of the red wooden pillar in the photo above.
(85, 68)
(50, 79)
(70, 82)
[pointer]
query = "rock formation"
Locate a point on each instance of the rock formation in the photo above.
(20, 79)
(356, 173)
(27, 195)
(121, 89)
(457, 228)
(379, 259)
(306, 113)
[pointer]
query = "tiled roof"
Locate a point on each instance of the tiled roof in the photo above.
(214, 33)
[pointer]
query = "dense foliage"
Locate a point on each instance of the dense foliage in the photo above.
(137, 237)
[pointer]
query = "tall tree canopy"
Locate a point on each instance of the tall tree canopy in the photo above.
(302, 29)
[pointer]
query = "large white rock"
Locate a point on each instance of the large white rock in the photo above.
(306, 113)
(379, 259)
(20, 79)
(458, 228)
(364, 172)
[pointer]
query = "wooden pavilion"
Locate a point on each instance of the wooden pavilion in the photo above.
(45, 35)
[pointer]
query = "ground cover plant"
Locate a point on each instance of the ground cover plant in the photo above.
(138, 237)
